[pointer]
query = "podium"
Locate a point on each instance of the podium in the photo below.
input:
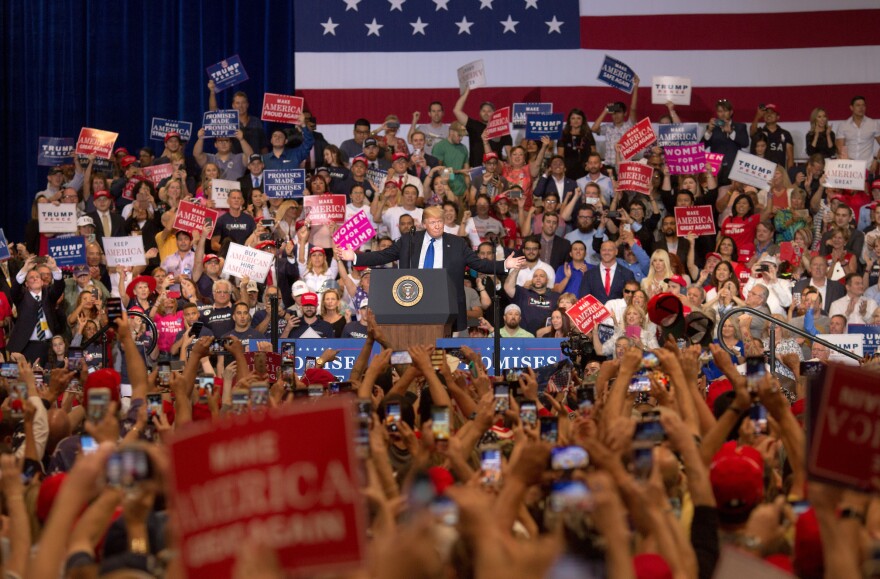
(413, 306)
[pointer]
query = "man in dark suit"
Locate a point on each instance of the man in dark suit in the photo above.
(253, 179)
(107, 223)
(421, 250)
(555, 181)
(670, 241)
(606, 281)
(829, 290)
(554, 248)
(36, 322)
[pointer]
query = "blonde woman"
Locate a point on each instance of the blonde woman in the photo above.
(332, 311)
(634, 326)
(820, 137)
(660, 270)
(313, 270)
(285, 226)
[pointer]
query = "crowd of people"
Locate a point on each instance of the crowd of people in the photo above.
(684, 454)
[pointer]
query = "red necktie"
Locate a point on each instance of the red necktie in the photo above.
(607, 281)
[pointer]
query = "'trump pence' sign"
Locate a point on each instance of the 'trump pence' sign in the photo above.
(56, 218)
(241, 479)
(674, 89)
(243, 261)
(752, 170)
(587, 312)
(227, 73)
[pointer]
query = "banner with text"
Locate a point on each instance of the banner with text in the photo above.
(686, 159)
(95, 142)
(697, 220)
(853, 343)
(282, 108)
(636, 139)
(324, 209)
(547, 124)
(158, 173)
(192, 217)
(845, 174)
(714, 160)
(68, 251)
(752, 170)
(499, 124)
(220, 189)
(587, 312)
(355, 232)
(243, 261)
(310, 513)
(676, 135)
(227, 73)
(220, 123)
(472, 75)
(674, 89)
(268, 363)
(56, 218)
(4, 247)
(616, 74)
(635, 177)
(522, 110)
(284, 183)
(125, 251)
(55, 151)
(160, 127)
(870, 337)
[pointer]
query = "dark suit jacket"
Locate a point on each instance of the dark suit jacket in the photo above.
(559, 252)
(833, 290)
(593, 283)
(28, 312)
(547, 185)
(247, 186)
(457, 254)
(431, 161)
(287, 274)
(683, 247)
(117, 226)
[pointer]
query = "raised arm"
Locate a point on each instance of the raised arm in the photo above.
(212, 96)
(510, 284)
(634, 100)
(458, 110)
(198, 149)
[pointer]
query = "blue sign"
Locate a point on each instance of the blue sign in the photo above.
(617, 74)
(68, 251)
(220, 123)
(4, 247)
(347, 352)
(545, 124)
(871, 334)
(227, 73)
(284, 183)
(678, 135)
(522, 110)
(55, 151)
(161, 127)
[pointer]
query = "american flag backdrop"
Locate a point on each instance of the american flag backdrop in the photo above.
(374, 57)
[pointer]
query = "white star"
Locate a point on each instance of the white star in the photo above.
(486, 4)
(554, 25)
(441, 4)
(351, 5)
(532, 4)
(509, 24)
(464, 27)
(396, 5)
(418, 26)
(373, 27)
(329, 27)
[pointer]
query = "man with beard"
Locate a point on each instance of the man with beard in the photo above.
(358, 177)
(311, 325)
(511, 327)
(670, 241)
(536, 303)
(585, 231)
(475, 130)
(595, 175)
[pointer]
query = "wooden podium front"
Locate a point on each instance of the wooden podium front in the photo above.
(413, 306)
(402, 336)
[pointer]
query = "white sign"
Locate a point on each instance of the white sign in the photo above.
(850, 342)
(472, 75)
(242, 261)
(752, 170)
(220, 189)
(125, 251)
(674, 89)
(57, 218)
(845, 174)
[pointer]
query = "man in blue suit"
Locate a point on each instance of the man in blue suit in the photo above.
(606, 281)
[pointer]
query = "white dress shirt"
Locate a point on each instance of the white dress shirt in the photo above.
(438, 252)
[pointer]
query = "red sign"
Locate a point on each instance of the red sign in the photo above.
(286, 478)
(635, 177)
(587, 312)
(157, 173)
(192, 217)
(842, 446)
(264, 363)
(499, 124)
(790, 252)
(697, 220)
(636, 139)
(95, 142)
(281, 108)
(128, 190)
(324, 209)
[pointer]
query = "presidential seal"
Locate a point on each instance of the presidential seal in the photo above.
(407, 291)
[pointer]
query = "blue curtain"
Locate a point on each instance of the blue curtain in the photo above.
(114, 65)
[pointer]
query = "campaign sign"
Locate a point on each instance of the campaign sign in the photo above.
(587, 312)
(281, 108)
(850, 342)
(635, 177)
(126, 251)
(870, 337)
(227, 73)
(686, 159)
(193, 217)
(376, 177)
(674, 89)
(220, 123)
(241, 478)
(515, 352)
(355, 232)
(324, 209)
(636, 139)
(472, 75)
(752, 170)
(4, 247)
(55, 151)
(539, 125)
(128, 190)
(268, 363)
(243, 261)
(616, 74)
(676, 135)
(845, 174)
(220, 189)
(284, 183)
(57, 218)
(499, 124)
(522, 110)
(68, 251)
(842, 440)
(697, 220)
(161, 127)
(95, 142)
(158, 173)
(714, 160)
(253, 345)
(790, 252)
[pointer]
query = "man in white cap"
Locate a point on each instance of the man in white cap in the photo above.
(511, 328)
(357, 328)
(764, 273)
(85, 226)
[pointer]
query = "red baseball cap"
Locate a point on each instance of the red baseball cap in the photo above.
(49, 489)
(715, 255)
(265, 244)
(771, 107)
(127, 161)
(664, 308)
(651, 566)
(120, 151)
(677, 279)
(359, 159)
(490, 155)
(501, 197)
(875, 184)
(309, 299)
(737, 476)
(316, 250)
(103, 193)
(103, 378)
(808, 558)
(172, 135)
(399, 156)
(318, 375)
(209, 257)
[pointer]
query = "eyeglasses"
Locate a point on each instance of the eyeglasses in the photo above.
(626, 291)
(722, 102)
(546, 201)
(531, 248)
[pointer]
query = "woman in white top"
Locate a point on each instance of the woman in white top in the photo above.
(316, 271)
(285, 226)
(660, 270)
